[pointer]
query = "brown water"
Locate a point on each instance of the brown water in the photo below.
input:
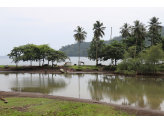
(134, 91)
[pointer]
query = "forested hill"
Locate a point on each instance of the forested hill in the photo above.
(73, 49)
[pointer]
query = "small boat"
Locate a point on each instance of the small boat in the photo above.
(66, 71)
(71, 70)
(63, 71)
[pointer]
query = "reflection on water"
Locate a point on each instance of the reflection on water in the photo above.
(134, 91)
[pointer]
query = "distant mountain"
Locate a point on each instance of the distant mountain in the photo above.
(73, 49)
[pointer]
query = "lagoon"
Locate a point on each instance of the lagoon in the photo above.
(133, 91)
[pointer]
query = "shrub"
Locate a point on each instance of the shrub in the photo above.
(109, 67)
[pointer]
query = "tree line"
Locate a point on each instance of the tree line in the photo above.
(32, 52)
(131, 49)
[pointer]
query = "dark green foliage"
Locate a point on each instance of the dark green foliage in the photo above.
(113, 51)
(92, 50)
(147, 63)
(130, 41)
(31, 52)
(114, 67)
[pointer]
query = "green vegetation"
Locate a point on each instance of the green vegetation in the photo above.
(31, 52)
(153, 28)
(92, 50)
(125, 31)
(3, 66)
(114, 51)
(52, 107)
(147, 63)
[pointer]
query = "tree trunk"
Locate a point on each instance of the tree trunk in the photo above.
(96, 54)
(115, 62)
(154, 68)
(79, 54)
(48, 62)
(52, 63)
(141, 48)
(39, 62)
(125, 44)
(135, 48)
(43, 61)
(153, 39)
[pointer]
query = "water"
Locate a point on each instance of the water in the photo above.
(133, 91)
(4, 60)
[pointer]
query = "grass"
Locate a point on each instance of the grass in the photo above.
(84, 67)
(19, 106)
(3, 66)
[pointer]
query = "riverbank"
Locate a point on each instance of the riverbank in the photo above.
(128, 109)
(88, 69)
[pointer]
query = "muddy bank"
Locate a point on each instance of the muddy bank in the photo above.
(129, 109)
(56, 70)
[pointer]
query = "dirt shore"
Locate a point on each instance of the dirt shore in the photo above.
(129, 109)
(56, 70)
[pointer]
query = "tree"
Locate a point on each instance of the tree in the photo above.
(80, 37)
(42, 53)
(131, 41)
(57, 56)
(125, 31)
(15, 54)
(154, 27)
(146, 63)
(98, 32)
(114, 51)
(30, 52)
(137, 31)
(92, 50)
(154, 55)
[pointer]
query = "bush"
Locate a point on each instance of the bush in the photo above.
(110, 68)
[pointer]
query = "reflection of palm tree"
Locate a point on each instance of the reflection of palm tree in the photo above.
(95, 89)
(79, 76)
(133, 90)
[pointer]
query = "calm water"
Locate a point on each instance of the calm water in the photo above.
(133, 91)
(4, 60)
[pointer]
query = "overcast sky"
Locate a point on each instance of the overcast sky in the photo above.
(55, 25)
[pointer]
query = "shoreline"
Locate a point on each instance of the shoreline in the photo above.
(129, 109)
(89, 71)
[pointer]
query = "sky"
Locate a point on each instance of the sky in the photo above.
(21, 24)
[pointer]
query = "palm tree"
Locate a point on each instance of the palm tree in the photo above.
(154, 26)
(137, 31)
(80, 37)
(98, 32)
(125, 31)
